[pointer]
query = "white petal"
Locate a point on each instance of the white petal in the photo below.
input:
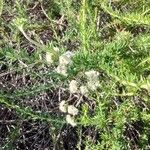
(73, 87)
(62, 106)
(93, 85)
(72, 110)
(84, 90)
(70, 120)
(92, 75)
(49, 57)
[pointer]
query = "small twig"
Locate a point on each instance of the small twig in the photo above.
(7, 121)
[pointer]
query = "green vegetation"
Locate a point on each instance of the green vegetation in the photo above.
(93, 56)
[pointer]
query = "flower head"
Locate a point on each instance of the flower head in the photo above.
(93, 85)
(84, 90)
(70, 120)
(92, 75)
(72, 110)
(49, 57)
(73, 87)
(62, 69)
(64, 60)
(62, 106)
(93, 81)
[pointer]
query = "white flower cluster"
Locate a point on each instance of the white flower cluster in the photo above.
(84, 90)
(92, 84)
(74, 88)
(93, 81)
(64, 60)
(71, 110)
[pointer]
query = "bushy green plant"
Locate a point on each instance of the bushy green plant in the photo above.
(108, 38)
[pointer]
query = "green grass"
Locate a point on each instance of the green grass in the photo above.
(117, 47)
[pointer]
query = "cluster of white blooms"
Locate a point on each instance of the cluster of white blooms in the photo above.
(93, 81)
(71, 110)
(64, 60)
(73, 88)
(92, 84)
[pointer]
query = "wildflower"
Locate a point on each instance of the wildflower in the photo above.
(72, 110)
(64, 60)
(62, 106)
(70, 120)
(73, 87)
(49, 57)
(62, 69)
(84, 90)
(93, 81)
(93, 85)
(92, 75)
